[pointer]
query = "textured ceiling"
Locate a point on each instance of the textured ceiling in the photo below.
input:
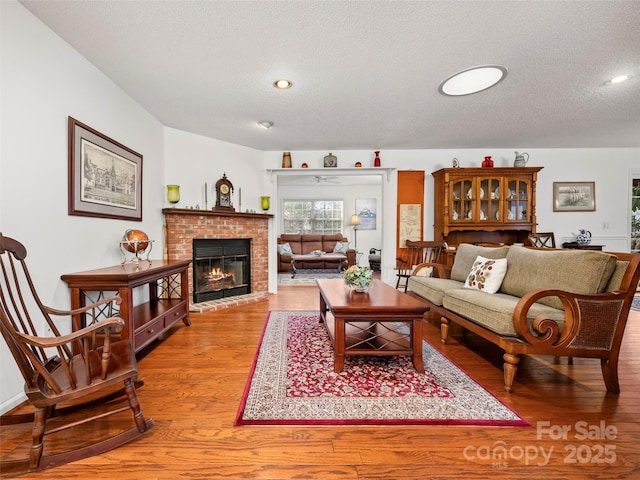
(366, 73)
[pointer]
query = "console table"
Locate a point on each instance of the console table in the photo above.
(168, 302)
(581, 246)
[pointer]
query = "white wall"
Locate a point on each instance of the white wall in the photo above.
(43, 81)
(193, 160)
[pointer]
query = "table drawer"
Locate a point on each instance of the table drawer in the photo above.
(176, 313)
(148, 332)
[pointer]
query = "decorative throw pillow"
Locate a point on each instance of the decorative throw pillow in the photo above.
(341, 247)
(284, 248)
(486, 274)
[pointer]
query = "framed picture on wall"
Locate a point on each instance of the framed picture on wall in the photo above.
(409, 223)
(574, 196)
(105, 177)
(366, 210)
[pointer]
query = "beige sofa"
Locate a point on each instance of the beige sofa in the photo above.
(551, 302)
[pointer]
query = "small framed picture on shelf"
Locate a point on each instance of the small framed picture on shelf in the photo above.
(574, 196)
(330, 161)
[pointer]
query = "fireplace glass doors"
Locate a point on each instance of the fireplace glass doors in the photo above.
(221, 268)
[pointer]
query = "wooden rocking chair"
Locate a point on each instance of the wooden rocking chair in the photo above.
(64, 373)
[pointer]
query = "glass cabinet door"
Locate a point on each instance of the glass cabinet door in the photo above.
(518, 201)
(462, 200)
(489, 194)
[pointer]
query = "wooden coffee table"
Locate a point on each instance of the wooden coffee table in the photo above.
(369, 323)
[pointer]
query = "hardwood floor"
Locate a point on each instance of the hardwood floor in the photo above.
(196, 375)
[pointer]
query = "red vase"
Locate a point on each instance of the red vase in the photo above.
(487, 163)
(376, 161)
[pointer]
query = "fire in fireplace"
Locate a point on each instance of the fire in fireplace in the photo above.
(221, 268)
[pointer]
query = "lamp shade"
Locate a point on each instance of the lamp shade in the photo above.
(355, 219)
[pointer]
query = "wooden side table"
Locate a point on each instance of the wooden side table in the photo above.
(168, 290)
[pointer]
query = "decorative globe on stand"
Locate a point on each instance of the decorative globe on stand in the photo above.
(136, 242)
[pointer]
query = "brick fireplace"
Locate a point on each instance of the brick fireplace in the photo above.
(182, 226)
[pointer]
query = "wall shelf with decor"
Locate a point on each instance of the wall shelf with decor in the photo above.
(485, 205)
(350, 171)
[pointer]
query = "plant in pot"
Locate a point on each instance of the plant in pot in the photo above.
(358, 278)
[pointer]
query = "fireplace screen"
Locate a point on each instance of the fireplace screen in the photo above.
(221, 268)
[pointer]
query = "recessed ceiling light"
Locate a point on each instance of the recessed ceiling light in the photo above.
(618, 79)
(266, 124)
(473, 80)
(282, 84)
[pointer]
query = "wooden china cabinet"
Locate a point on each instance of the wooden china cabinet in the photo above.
(485, 205)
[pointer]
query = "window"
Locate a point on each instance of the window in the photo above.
(313, 216)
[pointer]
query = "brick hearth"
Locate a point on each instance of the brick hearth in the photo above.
(183, 225)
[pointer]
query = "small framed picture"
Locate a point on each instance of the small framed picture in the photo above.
(574, 196)
(330, 161)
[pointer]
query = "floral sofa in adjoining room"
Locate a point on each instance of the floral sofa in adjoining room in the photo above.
(571, 303)
(337, 249)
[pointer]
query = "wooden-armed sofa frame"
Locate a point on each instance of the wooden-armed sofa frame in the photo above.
(547, 319)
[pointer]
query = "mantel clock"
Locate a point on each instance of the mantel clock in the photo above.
(224, 189)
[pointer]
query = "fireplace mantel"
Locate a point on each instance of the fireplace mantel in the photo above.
(219, 213)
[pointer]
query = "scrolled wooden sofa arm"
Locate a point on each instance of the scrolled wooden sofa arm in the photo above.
(590, 320)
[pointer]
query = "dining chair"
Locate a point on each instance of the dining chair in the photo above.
(543, 240)
(416, 252)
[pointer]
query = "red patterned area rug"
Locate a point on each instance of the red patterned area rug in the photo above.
(292, 383)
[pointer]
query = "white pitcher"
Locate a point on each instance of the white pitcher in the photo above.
(520, 160)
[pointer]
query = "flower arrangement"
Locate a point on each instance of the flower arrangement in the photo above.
(357, 277)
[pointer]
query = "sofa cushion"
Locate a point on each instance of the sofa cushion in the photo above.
(311, 243)
(466, 254)
(616, 277)
(284, 248)
(341, 247)
(433, 289)
(486, 274)
(329, 241)
(494, 312)
(576, 271)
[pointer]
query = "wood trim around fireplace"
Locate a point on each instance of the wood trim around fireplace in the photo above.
(217, 213)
